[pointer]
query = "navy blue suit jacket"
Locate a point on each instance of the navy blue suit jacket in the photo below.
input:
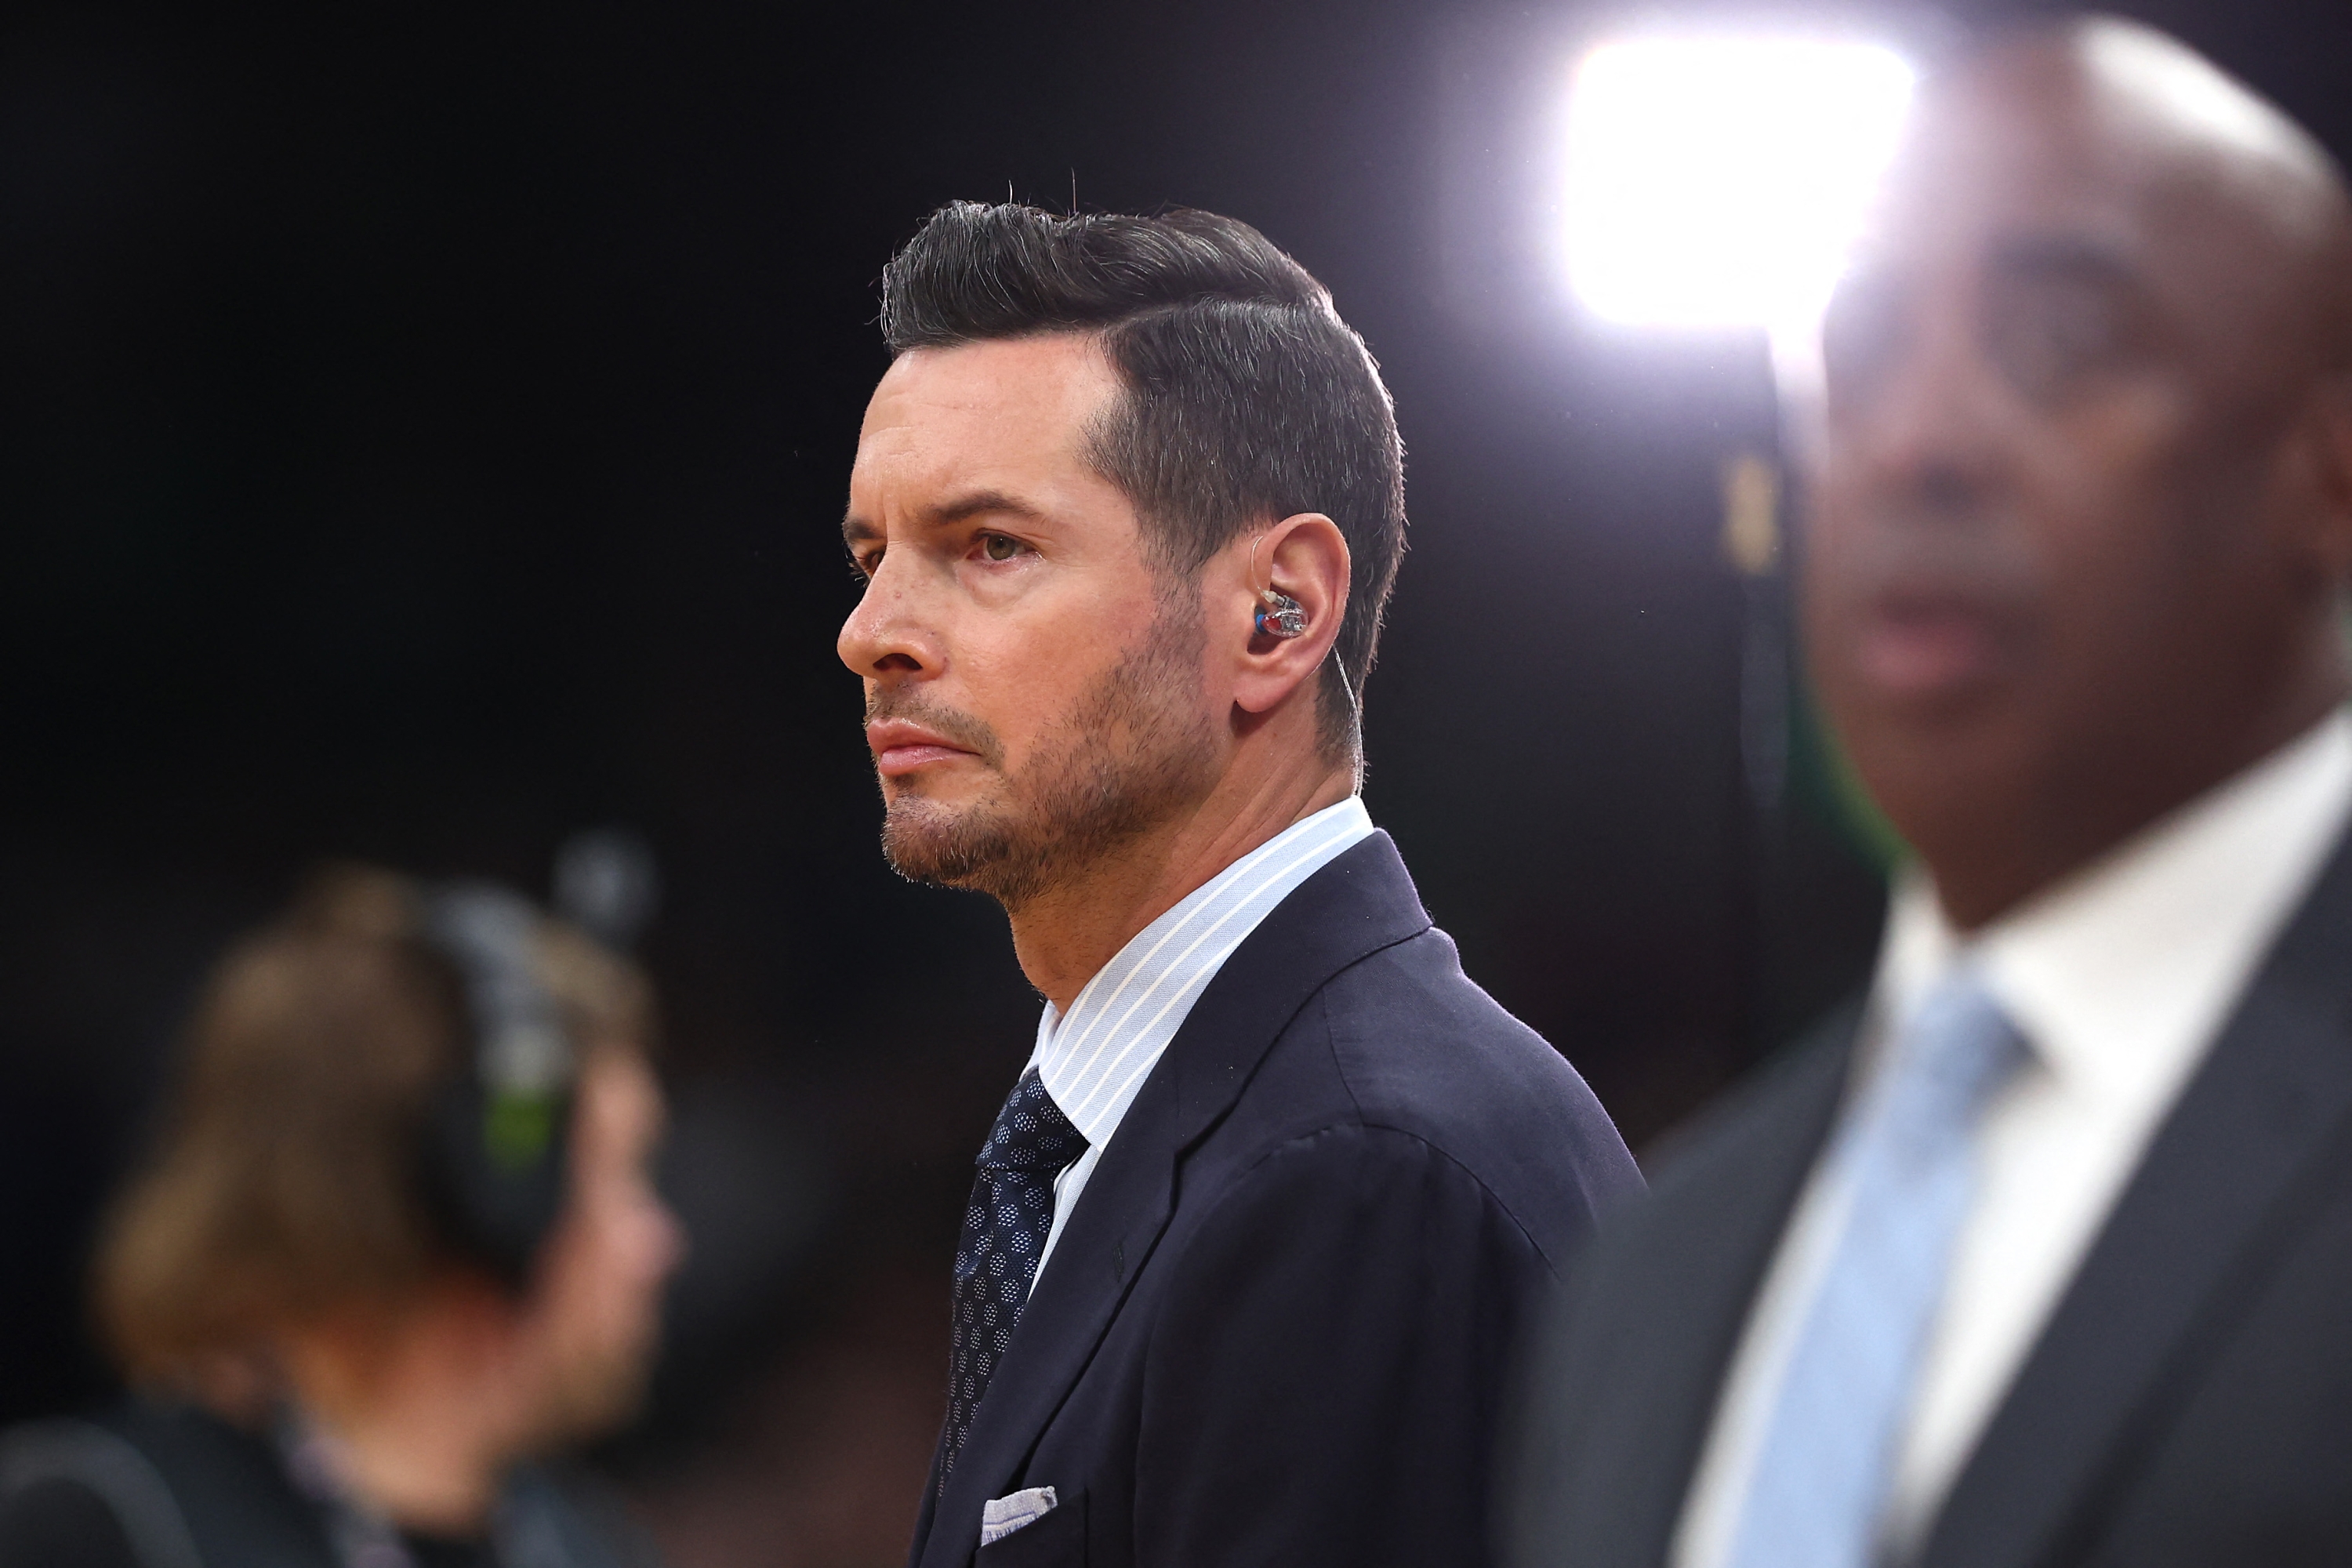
(1275, 1327)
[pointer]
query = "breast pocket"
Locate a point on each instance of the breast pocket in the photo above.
(1056, 1541)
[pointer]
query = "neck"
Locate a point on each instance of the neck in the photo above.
(1070, 930)
(415, 1413)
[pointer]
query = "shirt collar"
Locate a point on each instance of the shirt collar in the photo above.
(2121, 974)
(1095, 1060)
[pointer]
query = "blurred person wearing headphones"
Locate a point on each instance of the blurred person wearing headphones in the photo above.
(398, 1244)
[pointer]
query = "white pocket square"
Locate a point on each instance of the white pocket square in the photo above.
(1000, 1516)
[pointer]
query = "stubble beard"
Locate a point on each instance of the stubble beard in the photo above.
(1125, 757)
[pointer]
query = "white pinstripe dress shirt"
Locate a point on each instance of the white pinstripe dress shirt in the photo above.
(1095, 1060)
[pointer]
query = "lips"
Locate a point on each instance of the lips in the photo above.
(1924, 645)
(901, 746)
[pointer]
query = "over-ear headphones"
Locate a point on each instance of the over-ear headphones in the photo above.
(497, 1134)
(497, 1137)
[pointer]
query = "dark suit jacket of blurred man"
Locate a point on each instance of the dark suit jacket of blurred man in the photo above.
(2188, 1400)
(1285, 1302)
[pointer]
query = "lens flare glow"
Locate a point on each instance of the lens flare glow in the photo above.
(1720, 181)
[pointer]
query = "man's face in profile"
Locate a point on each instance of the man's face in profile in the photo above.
(1033, 679)
(2042, 568)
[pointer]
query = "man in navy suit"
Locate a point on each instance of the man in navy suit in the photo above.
(1250, 1238)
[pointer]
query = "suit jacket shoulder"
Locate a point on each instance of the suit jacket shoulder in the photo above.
(1421, 1050)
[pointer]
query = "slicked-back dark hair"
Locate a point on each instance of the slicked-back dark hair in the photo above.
(1247, 398)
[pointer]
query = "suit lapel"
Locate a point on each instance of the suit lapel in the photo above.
(1360, 902)
(2217, 1193)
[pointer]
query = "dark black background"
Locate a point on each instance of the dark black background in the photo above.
(422, 436)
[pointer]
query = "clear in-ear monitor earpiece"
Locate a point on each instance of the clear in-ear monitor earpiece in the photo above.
(1279, 615)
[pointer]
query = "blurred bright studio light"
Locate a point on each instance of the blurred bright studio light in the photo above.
(1718, 181)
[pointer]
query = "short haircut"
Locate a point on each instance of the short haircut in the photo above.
(1247, 398)
(287, 1183)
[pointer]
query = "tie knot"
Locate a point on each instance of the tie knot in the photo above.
(1031, 1133)
(1958, 1045)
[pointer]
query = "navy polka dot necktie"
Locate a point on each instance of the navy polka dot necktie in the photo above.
(1004, 1231)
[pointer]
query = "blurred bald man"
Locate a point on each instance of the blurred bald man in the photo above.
(2043, 1253)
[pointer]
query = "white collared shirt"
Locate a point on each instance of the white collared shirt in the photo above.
(2119, 978)
(1094, 1061)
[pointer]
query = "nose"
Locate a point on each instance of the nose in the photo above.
(887, 637)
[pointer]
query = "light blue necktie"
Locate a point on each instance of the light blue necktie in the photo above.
(1907, 1156)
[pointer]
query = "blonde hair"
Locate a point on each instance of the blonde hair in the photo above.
(285, 1183)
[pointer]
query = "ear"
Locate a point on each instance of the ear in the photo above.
(1304, 556)
(2332, 449)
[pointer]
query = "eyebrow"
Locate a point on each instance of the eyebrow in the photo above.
(2064, 256)
(857, 530)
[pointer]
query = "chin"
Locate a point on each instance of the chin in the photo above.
(940, 846)
(596, 1400)
(1942, 776)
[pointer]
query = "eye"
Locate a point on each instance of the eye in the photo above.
(2047, 335)
(1001, 547)
(862, 564)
